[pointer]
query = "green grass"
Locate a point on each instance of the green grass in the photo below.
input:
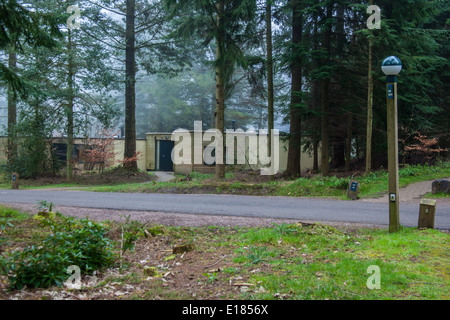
(439, 195)
(372, 185)
(282, 261)
(11, 214)
(3, 182)
(9, 218)
(6, 185)
(315, 187)
(321, 262)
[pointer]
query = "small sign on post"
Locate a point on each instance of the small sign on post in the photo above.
(390, 91)
(353, 189)
(15, 180)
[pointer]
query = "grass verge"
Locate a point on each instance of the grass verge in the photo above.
(439, 195)
(327, 263)
(371, 185)
(110, 176)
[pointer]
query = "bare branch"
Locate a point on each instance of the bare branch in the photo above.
(106, 8)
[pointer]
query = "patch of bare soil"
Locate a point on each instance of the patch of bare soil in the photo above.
(153, 271)
(252, 176)
(221, 188)
(108, 177)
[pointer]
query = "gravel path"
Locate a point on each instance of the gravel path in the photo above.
(409, 193)
(181, 220)
(164, 176)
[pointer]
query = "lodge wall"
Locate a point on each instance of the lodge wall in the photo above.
(149, 154)
(152, 156)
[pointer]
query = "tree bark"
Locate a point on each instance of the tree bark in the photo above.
(316, 99)
(130, 86)
(315, 156)
(270, 110)
(338, 157)
(348, 146)
(12, 109)
(220, 86)
(325, 157)
(69, 109)
(325, 165)
(369, 111)
(294, 151)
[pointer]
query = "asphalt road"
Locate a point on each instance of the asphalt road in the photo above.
(232, 205)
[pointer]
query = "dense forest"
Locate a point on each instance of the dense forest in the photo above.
(309, 68)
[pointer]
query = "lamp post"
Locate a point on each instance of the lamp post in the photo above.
(391, 67)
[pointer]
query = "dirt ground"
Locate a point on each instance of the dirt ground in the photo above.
(153, 271)
(108, 177)
(181, 276)
(203, 273)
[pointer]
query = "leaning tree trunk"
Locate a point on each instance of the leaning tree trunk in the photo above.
(130, 87)
(294, 151)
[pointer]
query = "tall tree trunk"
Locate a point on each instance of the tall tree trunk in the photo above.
(69, 110)
(270, 111)
(316, 124)
(294, 151)
(369, 111)
(325, 165)
(220, 85)
(338, 156)
(12, 109)
(213, 109)
(130, 86)
(348, 145)
(316, 155)
(325, 157)
(316, 98)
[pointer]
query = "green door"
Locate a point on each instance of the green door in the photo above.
(165, 155)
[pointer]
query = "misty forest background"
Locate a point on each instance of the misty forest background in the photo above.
(309, 68)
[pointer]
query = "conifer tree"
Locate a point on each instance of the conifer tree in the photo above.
(230, 25)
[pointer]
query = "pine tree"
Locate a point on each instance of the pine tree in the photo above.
(369, 106)
(18, 26)
(137, 43)
(230, 25)
(67, 85)
(295, 107)
(269, 66)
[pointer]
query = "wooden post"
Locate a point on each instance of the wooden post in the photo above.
(392, 133)
(353, 189)
(15, 180)
(427, 213)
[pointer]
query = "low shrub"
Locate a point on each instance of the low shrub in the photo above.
(72, 242)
